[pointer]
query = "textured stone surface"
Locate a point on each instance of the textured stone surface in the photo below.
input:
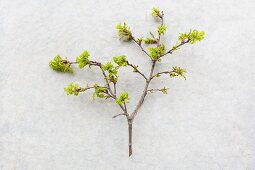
(206, 122)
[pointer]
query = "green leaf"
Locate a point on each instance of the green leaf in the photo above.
(72, 89)
(124, 32)
(100, 92)
(193, 36)
(58, 64)
(135, 68)
(178, 71)
(149, 40)
(83, 59)
(122, 98)
(164, 90)
(139, 40)
(161, 29)
(155, 12)
(156, 52)
(120, 60)
(113, 71)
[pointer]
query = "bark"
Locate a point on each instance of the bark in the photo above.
(132, 116)
(130, 123)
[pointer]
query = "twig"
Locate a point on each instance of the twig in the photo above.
(153, 90)
(124, 114)
(162, 23)
(140, 46)
(163, 72)
(84, 89)
(175, 47)
(144, 91)
(136, 70)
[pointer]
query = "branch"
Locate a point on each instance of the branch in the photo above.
(124, 114)
(136, 70)
(144, 91)
(153, 90)
(111, 94)
(162, 23)
(95, 63)
(139, 44)
(84, 89)
(175, 47)
(163, 90)
(158, 74)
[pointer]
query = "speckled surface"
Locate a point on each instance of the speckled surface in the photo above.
(206, 122)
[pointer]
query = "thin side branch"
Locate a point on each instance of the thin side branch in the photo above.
(154, 90)
(136, 70)
(163, 72)
(162, 23)
(140, 45)
(95, 63)
(84, 89)
(121, 114)
(175, 47)
(111, 94)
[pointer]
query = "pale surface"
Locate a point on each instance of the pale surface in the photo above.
(206, 122)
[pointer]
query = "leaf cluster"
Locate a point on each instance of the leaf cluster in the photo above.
(193, 36)
(83, 59)
(156, 52)
(58, 64)
(161, 29)
(120, 60)
(155, 12)
(164, 90)
(178, 71)
(112, 71)
(124, 31)
(100, 92)
(72, 89)
(122, 98)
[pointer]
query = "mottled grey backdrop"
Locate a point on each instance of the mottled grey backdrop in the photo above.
(206, 122)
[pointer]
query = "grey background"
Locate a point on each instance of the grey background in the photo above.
(205, 122)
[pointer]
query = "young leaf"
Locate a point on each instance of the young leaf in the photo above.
(83, 59)
(124, 32)
(149, 40)
(113, 71)
(155, 12)
(156, 52)
(72, 89)
(120, 60)
(100, 92)
(192, 36)
(122, 98)
(164, 90)
(178, 71)
(161, 29)
(58, 64)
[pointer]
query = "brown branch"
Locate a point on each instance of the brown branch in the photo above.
(162, 23)
(114, 86)
(148, 80)
(95, 63)
(136, 70)
(124, 114)
(163, 72)
(144, 91)
(175, 47)
(139, 44)
(110, 94)
(84, 89)
(153, 90)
